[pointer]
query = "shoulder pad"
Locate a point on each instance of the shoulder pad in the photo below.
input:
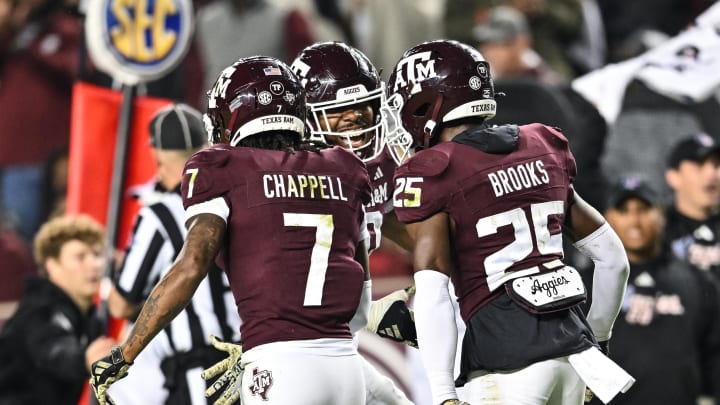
(205, 175)
(550, 134)
(428, 163)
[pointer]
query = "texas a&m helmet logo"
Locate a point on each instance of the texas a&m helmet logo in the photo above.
(262, 381)
(413, 70)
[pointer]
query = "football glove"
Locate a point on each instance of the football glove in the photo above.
(105, 372)
(391, 318)
(231, 369)
(605, 349)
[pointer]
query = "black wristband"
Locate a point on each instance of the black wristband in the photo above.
(116, 355)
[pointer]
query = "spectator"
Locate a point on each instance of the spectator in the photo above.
(667, 334)
(554, 25)
(39, 49)
(170, 371)
(17, 265)
(324, 17)
(693, 219)
(589, 51)
(265, 29)
(47, 347)
(623, 20)
(504, 38)
(55, 184)
(383, 29)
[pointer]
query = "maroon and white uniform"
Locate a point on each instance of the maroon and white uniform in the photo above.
(507, 211)
(293, 226)
(509, 203)
(381, 170)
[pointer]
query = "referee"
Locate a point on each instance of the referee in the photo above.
(169, 371)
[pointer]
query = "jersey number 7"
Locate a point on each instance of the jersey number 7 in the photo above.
(320, 252)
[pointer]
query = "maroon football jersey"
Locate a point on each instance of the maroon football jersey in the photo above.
(381, 171)
(508, 209)
(292, 231)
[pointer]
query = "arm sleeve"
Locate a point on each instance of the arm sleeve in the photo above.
(363, 310)
(609, 278)
(436, 332)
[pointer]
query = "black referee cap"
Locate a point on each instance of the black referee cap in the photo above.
(177, 127)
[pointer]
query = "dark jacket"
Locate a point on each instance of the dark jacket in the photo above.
(667, 335)
(42, 348)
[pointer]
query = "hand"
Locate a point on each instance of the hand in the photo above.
(97, 349)
(391, 318)
(105, 372)
(232, 373)
(454, 402)
(605, 349)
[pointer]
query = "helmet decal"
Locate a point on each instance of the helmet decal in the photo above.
(413, 70)
(254, 95)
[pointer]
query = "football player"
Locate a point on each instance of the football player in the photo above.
(287, 225)
(344, 98)
(485, 207)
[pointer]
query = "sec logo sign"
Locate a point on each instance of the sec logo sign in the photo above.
(138, 40)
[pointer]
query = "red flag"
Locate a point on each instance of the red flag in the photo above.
(93, 131)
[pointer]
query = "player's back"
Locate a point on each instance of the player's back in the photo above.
(507, 208)
(294, 224)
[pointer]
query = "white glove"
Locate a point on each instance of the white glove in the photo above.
(231, 379)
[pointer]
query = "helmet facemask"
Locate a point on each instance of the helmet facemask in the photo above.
(398, 140)
(366, 142)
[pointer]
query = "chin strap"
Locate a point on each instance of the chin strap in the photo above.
(432, 122)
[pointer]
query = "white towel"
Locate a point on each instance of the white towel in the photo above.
(602, 375)
(672, 69)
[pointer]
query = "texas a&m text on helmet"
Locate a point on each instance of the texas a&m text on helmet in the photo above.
(254, 95)
(338, 77)
(432, 84)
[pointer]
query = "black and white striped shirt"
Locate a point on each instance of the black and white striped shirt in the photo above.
(157, 238)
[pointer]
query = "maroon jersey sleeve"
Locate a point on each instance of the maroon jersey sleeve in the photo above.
(420, 191)
(558, 141)
(206, 175)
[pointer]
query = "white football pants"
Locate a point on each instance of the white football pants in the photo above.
(304, 379)
(549, 382)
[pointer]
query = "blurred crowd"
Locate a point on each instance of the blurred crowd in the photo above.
(585, 66)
